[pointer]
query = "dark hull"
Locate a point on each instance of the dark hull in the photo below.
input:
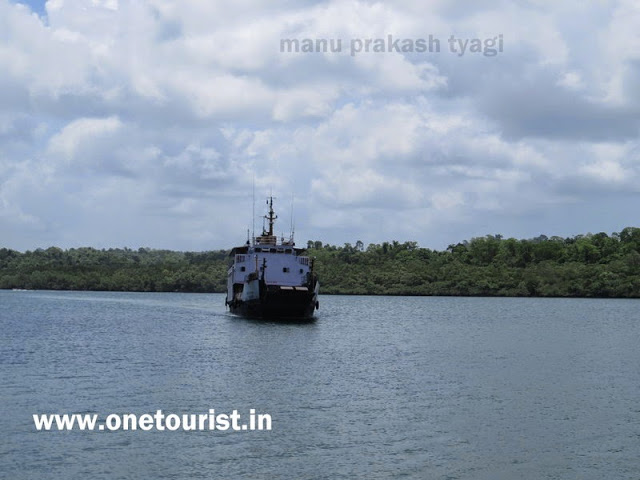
(278, 304)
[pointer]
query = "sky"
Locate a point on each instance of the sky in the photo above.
(151, 123)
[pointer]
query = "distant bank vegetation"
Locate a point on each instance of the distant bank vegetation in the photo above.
(591, 265)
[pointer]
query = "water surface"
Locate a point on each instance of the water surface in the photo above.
(376, 387)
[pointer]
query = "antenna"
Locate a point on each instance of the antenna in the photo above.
(292, 225)
(253, 211)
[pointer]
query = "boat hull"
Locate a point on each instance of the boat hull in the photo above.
(278, 303)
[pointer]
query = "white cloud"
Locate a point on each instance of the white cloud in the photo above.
(571, 80)
(606, 170)
(81, 136)
(146, 123)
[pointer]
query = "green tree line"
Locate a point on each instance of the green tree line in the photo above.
(591, 265)
(142, 270)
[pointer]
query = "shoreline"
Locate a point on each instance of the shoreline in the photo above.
(332, 294)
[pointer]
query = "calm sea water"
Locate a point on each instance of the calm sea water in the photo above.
(376, 387)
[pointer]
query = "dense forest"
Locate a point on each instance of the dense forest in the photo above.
(591, 265)
(142, 270)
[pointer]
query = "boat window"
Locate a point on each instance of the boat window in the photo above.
(242, 269)
(272, 250)
(285, 269)
(301, 270)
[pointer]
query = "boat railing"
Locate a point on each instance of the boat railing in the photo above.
(266, 240)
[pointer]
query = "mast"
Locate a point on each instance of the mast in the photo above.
(271, 217)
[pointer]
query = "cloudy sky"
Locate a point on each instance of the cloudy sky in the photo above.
(145, 123)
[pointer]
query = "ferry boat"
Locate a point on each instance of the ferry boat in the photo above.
(270, 278)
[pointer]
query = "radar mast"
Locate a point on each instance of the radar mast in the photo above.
(271, 217)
